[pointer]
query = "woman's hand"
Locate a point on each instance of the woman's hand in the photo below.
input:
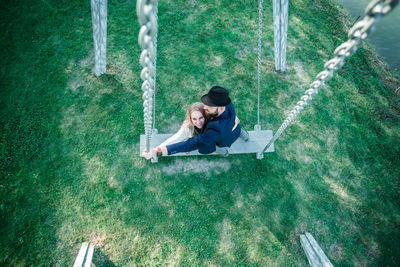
(151, 154)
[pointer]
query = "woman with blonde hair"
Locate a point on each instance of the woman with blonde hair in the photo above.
(193, 125)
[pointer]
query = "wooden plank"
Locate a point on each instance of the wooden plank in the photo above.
(256, 142)
(321, 255)
(312, 256)
(81, 255)
(89, 256)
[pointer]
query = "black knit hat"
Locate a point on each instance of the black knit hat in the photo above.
(216, 97)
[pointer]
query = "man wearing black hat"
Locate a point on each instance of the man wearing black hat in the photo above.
(219, 132)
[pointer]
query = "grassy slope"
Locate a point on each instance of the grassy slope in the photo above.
(69, 141)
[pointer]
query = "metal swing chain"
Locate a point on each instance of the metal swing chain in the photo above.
(146, 11)
(260, 13)
(374, 11)
(155, 73)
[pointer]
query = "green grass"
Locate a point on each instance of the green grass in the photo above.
(69, 142)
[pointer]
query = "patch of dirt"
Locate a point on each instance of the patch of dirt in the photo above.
(320, 229)
(98, 240)
(373, 249)
(175, 258)
(192, 3)
(281, 97)
(74, 83)
(239, 199)
(226, 244)
(187, 167)
(248, 49)
(341, 191)
(332, 139)
(111, 182)
(218, 60)
(86, 61)
(95, 169)
(294, 237)
(360, 262)
(336, 251)
(296, 150)
(301, 74)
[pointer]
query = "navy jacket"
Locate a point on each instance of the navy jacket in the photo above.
(218, 132)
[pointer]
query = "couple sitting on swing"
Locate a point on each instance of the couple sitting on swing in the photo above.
(209, 127)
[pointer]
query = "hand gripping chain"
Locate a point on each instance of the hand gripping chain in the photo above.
(146, 11)
(374, 11)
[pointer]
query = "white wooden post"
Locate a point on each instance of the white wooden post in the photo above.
(85, 256)
(281, 10)
(315, 255)
(99, 22)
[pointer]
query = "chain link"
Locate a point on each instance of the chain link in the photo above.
(155, 73)
(374, 11)
(146, 11)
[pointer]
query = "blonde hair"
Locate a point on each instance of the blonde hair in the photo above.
(197, 106)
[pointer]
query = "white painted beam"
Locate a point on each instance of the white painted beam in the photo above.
(99, 22)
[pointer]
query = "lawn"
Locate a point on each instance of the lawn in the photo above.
(69, 141)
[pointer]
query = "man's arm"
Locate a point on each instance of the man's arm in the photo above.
(208, 138)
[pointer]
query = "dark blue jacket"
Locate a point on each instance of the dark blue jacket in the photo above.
(218, 132)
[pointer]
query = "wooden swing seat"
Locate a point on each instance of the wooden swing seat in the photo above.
(255, 144)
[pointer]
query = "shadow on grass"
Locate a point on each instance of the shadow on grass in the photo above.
(101, 260)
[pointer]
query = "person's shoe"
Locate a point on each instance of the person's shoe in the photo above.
(244, 135)
(222, 151)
